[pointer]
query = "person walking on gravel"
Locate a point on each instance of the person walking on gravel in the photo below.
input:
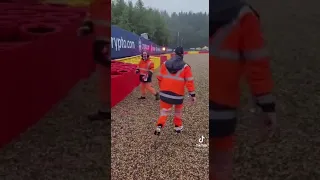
(145, 69)
(174, 76)
(97, 23)
(236, 45)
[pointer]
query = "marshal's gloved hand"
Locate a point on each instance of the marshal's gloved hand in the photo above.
(268, 121)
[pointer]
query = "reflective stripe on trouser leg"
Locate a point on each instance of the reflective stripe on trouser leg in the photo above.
(178, 115)
(165, 110)
(222, 120)
(164, 113)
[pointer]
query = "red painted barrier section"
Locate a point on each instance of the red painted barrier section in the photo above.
(40, 62)
(123, 81)
(203, 52)
(163, 59)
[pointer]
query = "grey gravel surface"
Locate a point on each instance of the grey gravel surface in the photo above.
(138, 154)
(292, 32)
(64, 145)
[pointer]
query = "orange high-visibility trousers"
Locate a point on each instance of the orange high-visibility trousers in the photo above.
(147, 86)
(104, 84)
(165, 110)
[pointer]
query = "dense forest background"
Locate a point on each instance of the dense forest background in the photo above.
(191, 30)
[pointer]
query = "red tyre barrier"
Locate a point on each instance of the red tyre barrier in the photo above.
(122, 85)
(26, 20)
(123, 71)
(8, 5)
(52, 20)
(203, 52)
(65, 15)
(12, 18)
(67, 8)
(12, 45)
(46, 72)
(15, 81)
(115, 72)
(8, 30)
(117, 92)
(23, 13)
(36, 30)
(127, 66)
(46, 8)
(18, 11)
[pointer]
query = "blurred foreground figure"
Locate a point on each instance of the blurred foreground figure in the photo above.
(145, 69)
(236, 48)
(174, 76)
(97, 23)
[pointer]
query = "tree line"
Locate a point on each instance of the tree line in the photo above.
(187, 29)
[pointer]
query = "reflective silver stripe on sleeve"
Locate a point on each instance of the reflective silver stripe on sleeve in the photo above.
(225, 54)
(170, 96)
(222, 115)
(255, 54)
(189, 79)
(171, 76)
(178, 113)
(265, 99)
(99, 22)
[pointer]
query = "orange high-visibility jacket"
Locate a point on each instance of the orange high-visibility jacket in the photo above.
(172, 85)
(145, 66)
(237, 48)
(100, 15)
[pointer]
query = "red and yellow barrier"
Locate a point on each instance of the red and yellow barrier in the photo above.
(41, 65)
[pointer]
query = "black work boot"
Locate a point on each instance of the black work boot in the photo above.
(178, 129)
(157, 96)
(142, 97)
(100, 116)
(158, 130)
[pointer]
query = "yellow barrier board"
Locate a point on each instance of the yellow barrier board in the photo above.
(168, 56)
(156, 61)
(131, 60)
(136, 60)
(193, 52)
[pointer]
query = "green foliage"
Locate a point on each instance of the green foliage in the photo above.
(161, 27)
